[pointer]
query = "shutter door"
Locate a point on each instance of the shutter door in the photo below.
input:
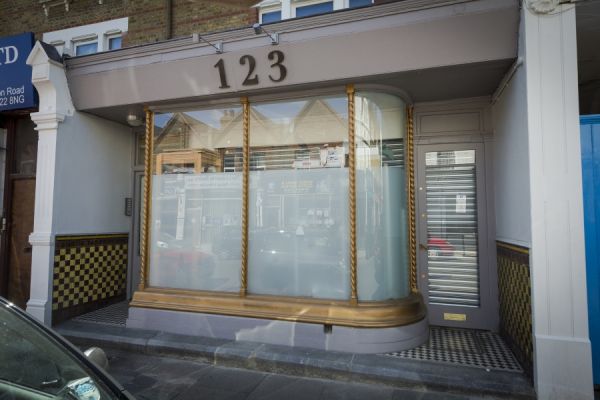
(452, 253)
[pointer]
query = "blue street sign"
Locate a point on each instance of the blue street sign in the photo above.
(16, 89)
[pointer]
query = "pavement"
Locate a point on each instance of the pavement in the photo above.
(150, 377)
(155, 362)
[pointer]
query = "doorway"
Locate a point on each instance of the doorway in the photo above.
(454, 270)
(18, 209)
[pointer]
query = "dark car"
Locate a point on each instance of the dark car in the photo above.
(36, 363)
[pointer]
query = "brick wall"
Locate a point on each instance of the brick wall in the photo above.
(147, 18)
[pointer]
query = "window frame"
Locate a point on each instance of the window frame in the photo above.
(304, 3)
(348, 312)
(110, 35)
(79, 42)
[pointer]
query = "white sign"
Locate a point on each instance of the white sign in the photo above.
(461, 203)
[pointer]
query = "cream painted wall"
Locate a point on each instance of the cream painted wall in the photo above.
(93, 176)
(562, 351)
(511, 163)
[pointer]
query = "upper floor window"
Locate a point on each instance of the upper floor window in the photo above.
(313, 9)
(272, 16)
(359, 3)
(89, 39)
(115, 42)
(84, 48)
(277, 10)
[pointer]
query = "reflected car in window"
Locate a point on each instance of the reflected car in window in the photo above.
(36, 363)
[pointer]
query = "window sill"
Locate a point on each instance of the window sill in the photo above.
(364, 315)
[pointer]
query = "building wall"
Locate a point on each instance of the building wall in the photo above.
(147, 18)
(513, 215)
(93, 178)
(511, 163)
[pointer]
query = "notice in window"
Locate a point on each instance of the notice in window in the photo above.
(461, 203)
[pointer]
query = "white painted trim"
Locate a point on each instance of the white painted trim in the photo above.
(55, 104)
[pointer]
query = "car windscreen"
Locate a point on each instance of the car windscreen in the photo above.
(33, 365)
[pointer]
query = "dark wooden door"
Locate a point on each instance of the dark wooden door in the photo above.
(18, 206)
(21, 226)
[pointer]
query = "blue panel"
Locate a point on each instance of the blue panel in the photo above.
(313, 9)
(88, 48)
(272, 16)
(16, 89)
(590, 160)
(360, 3)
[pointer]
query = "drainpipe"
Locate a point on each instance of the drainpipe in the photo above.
(168, 19)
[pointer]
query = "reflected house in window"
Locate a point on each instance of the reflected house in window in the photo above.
(298, 198)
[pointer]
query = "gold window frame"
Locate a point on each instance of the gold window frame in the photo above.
(351, 312)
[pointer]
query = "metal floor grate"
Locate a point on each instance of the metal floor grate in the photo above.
(115, 314)
(473, 348)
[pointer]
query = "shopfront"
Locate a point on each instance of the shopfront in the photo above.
(281, 205)
(341, 186)
(293, 208)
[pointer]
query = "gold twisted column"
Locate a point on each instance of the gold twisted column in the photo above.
(352, 176)
(145, 231)
(245, 183)
(412, 236)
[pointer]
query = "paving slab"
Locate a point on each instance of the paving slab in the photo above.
(420, 378)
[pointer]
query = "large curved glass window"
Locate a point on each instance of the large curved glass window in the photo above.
(298, 196)
(381, 206)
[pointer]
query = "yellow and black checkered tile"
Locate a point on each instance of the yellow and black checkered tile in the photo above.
(514, 284)
(89, 272)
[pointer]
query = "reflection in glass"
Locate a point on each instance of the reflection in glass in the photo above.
(298, 199)
(25, 158)
(381, 202)
(197, 200)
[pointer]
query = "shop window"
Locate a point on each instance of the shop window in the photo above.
(381, 201)
(197, 200)
(313, 9)
(298, 199)
(272, 16)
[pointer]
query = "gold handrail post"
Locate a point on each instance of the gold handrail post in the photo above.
(145, 231)
(245, 183)
(412, 237)
(352, 186)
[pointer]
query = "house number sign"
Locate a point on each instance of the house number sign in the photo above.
(278, 74)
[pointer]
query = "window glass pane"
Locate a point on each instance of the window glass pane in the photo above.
(360, 3)
(271, 17)
(381, 203)
(33, 365)
(88, 48)
(313, 9)
(298, 198)
(452, 250)
(114, 43)
(197, 200)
